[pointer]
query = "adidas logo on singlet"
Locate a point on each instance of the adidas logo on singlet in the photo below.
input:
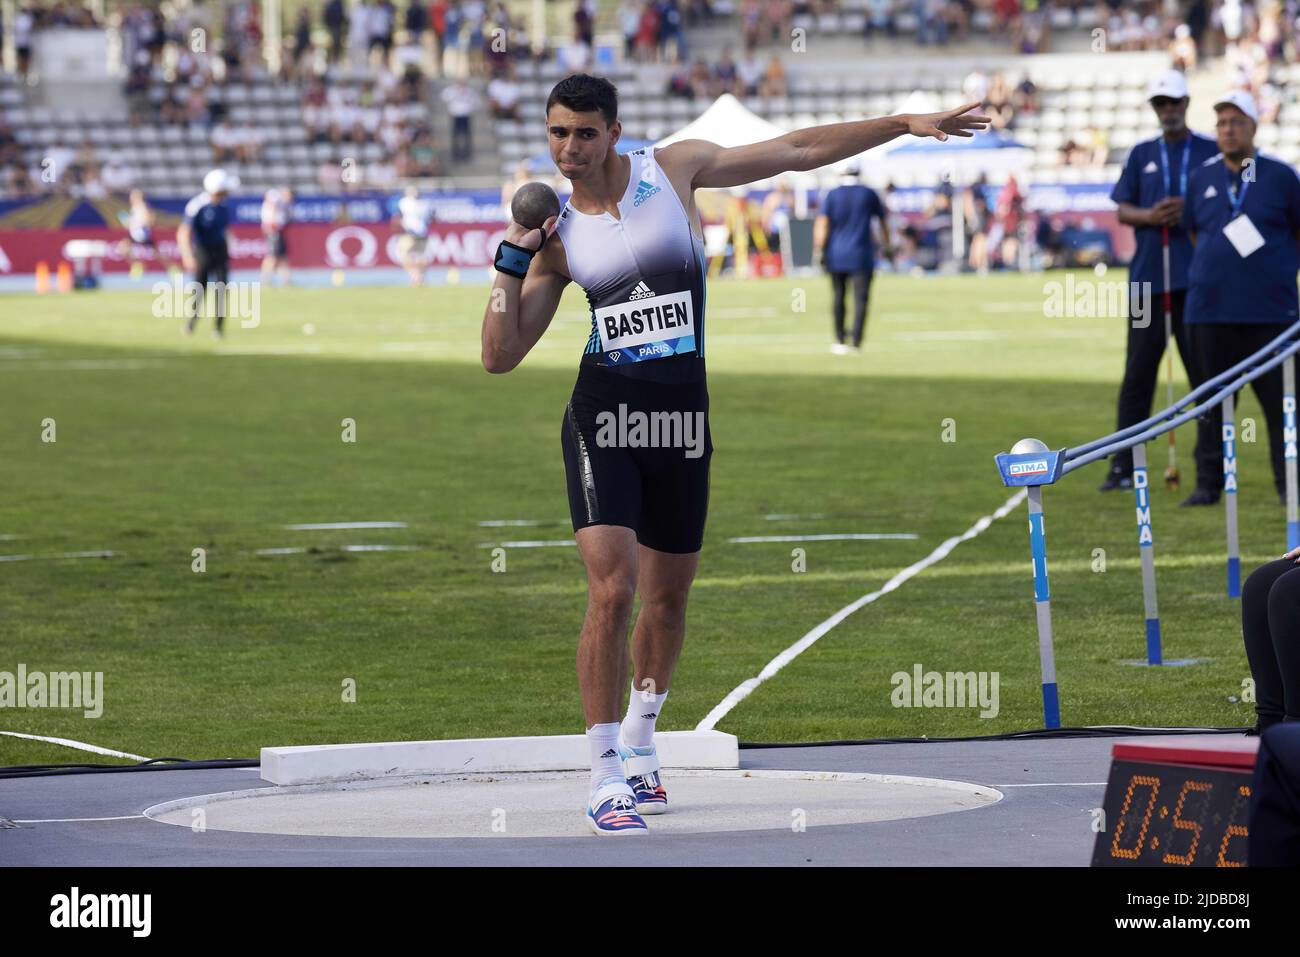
(642, 291)
(644, 191)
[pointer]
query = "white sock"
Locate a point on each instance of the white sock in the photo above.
(642, 711)
(603, 739)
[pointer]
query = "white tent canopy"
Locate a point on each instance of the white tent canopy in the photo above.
(727, 122)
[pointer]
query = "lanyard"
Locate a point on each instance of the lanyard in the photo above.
(1234, 197)
(1182, 173)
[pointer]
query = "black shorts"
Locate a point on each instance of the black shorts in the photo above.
(645, 465)
(211, 265)
(275, 243)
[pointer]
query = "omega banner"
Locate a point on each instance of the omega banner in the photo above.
(310, 245)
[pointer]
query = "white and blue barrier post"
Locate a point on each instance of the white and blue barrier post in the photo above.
(1289, 442)
(1146, 548)
(1031, 464)
(1230, 495)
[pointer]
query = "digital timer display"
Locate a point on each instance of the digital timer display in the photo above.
(1171, 815)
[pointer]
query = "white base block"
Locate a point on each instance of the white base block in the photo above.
(320, 763)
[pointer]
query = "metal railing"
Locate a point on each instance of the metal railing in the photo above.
(1031, 464)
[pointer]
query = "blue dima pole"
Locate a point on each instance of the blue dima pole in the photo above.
(1289, 442)
(1146, 548)
(1030, 465)
(1043, 608)
(1230, 496)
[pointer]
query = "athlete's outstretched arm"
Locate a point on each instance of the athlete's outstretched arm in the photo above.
(811, 148)
(519, 310)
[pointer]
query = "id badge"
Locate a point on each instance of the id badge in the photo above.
(652, 319)
(1243, 235)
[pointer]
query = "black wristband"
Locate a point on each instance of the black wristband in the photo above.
(513, 260)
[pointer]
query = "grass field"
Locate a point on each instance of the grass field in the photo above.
(166, 444)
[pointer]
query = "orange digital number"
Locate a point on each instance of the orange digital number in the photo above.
(1134, 782)
(1234, 830)
(1189, 825)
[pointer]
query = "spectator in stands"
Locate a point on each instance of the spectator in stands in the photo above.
(117, 175)
(359, 34)
(497, 45)
(137, 87)
(703, 82)
(749, 74)
(698, 11)
(424, 155)
(383, 18)
(10, 149)
(647, 34)
(438, 28)
(575, 57)
(301, 37)
(1031, 30)
(724, 75)
(679, 83)
(335, 18)
(629, 20)
(1243, 215)
(475, 13)
(931, 24)
(416, 21)
(997, 103)
(24, 26)
(462, 100)
(880, 19)
(751, 24)
(503, 94)
(773, 83)
(1182, 51)
(225, 142)
(1024, 100)
(672, 38)
(584, 22)
(776, 20)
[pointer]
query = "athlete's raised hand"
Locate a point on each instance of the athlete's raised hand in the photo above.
(530, 238)
(958, 122)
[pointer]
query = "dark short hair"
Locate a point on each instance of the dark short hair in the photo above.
(583, 93)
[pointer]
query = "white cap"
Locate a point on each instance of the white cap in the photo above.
(1171, 83)
(219, 181)
(1242, 101)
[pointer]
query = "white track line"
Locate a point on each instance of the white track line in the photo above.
(836, 537)
(781, 517)
(324, 526)
(743, 690)
(79, 745)
(1055, 784)
(526, 544)
(79, 820)
(381, 548)
(29, 558)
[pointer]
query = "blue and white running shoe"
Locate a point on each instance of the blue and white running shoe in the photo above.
(612, 810)
(641, 765)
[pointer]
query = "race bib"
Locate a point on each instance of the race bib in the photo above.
(651, 323)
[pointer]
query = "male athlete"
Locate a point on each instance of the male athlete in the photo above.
(630, 236)
(204, 241)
